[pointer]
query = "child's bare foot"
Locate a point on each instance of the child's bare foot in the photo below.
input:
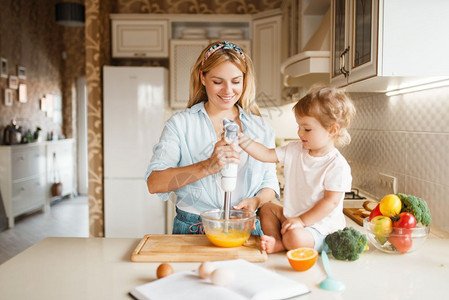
(270, 244)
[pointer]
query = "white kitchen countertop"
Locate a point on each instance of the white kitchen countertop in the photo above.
(100, 268)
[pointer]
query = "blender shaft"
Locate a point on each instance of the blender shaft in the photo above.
(227, 209)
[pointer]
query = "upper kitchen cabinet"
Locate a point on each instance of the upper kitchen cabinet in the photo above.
(267, 47)
(354, 40)
(379, 45)
(135, 36)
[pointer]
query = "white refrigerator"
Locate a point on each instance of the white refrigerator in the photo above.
(133, 106)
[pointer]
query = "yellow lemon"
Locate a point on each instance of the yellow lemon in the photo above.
(390, 205)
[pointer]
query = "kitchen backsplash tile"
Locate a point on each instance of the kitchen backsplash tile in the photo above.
(366, 178)
(424, 111)
(428, 152)
(436, 194)
(406, 136)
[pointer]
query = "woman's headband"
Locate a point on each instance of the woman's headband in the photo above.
(224, 45)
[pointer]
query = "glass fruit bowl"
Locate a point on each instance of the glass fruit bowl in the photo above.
(233, 232)
(399, 240)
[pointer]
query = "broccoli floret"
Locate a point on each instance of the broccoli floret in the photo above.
(346, 244)
(416, 206)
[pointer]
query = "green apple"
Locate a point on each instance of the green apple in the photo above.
(381, 226)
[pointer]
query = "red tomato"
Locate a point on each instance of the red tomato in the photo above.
(375, 212)
(406, 220)
(401, 240)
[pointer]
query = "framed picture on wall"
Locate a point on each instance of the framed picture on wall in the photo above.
(8, 97)
(21, 72)
(13, 82)
(4, 68)
(23, 93)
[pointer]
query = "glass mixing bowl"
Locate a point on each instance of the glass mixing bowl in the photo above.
(228, 233)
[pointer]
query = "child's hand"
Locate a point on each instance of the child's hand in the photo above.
(291, 223)
(233, 145)
(244, 140)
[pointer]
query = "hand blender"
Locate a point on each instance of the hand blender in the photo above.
(229, 172)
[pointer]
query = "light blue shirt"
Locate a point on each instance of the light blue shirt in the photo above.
(189, 137)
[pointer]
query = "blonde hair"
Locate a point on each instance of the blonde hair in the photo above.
(329, 106)
(211, 57)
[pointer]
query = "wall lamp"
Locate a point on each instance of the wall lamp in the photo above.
(69, 14)
(417, 88)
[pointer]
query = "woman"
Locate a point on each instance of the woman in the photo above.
(191, 151)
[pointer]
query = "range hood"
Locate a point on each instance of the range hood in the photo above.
(306, 68)
(312, 65)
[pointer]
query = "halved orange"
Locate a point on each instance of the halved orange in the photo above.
(302, 259)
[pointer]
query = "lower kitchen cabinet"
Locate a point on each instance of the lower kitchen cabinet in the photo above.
(25, 175)
(28, 194)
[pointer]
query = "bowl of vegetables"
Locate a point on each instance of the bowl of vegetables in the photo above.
(398, 224)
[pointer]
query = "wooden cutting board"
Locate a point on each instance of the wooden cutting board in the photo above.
(193, 248)
(358, 214)
(353, 214)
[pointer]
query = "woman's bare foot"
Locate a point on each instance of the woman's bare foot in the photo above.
(270, 244)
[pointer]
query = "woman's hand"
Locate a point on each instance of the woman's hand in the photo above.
(250, 204)
(291, 223)
(223, 154)
(253, 203)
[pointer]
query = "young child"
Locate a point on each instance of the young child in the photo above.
(316, 174)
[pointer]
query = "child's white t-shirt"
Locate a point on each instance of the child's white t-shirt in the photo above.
(306, 179)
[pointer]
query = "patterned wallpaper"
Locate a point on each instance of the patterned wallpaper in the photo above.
(196, 6)
(97, 55)
(30, 38)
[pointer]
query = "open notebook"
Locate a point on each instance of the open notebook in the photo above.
(251, 282)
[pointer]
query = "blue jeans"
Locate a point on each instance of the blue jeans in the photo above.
(188, 223)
